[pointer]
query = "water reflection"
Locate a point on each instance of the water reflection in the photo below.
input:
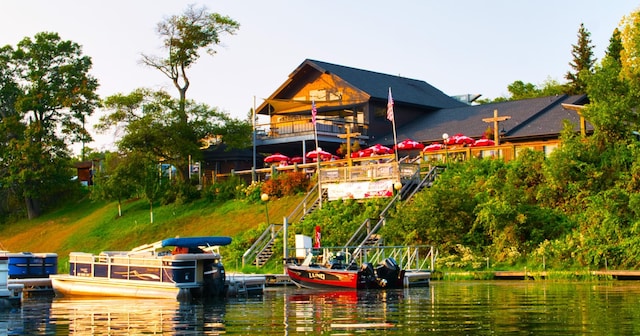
(470, 308)
(308, 311)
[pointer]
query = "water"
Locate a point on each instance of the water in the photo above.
(445, 308)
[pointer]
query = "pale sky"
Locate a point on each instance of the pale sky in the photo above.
(460, 47)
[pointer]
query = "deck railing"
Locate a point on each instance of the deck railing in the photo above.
(410, 258)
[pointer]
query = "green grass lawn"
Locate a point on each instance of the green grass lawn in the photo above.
(93, 226)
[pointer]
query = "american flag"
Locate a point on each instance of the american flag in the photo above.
(390, 107)
(313, 112)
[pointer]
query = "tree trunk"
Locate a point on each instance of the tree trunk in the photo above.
(151, 211)
(33, 207)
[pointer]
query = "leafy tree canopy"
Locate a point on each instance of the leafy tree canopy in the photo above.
(46, 93)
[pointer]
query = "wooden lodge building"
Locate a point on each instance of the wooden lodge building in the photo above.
(356, 100)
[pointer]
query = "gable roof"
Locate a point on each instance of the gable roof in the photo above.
(376, 84)
(404, 90)
(529, 118)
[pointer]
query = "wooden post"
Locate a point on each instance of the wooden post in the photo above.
(495, 120)
(578, 109)
(348, 136)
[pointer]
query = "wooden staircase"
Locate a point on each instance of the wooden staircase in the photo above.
(262, 250)
(264, 255)
(366, 236)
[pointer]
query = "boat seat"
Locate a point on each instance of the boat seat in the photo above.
(337, 266)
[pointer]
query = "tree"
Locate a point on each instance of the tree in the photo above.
(183, 37)
(152, 124)
(583, 61)
(116, 180)
(614, 88)
(56, 93)
(615, 45)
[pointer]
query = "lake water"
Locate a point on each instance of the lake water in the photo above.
(445, 308)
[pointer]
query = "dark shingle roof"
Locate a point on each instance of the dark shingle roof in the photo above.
(404, 90)
(529, 118)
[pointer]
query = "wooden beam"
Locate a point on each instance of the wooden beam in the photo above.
(578, 109)
(495, 120)
(348, 136)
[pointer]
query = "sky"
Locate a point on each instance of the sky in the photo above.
(459, 47)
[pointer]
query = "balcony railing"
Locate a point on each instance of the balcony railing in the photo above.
(303, 126)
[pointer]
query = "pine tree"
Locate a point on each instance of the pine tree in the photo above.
(615, 46)
(583, 60)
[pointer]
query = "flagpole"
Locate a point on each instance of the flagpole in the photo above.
(391, 117)
(314, 112)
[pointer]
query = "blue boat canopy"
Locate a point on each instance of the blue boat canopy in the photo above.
(193, 242)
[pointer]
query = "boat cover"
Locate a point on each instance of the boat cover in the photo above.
(194, 242)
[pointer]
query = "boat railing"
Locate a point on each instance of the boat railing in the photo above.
(409, 258)
(143, 266)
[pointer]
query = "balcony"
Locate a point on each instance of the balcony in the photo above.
(294, 129)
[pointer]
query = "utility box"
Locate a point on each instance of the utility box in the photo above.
(303, 246)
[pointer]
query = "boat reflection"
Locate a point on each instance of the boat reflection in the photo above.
(123, 316)
(322, 311)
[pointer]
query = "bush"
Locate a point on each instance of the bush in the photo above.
(286, 184)
(231, 188)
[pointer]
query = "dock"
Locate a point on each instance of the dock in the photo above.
(542, 275)
(239, 285)
(33, 286)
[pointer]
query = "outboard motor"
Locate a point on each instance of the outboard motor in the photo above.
(367, 275)
(366, 269)
(387, 272)
(215, 280)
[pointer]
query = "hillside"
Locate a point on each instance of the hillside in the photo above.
(93, 226)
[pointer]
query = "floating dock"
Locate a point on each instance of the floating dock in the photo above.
(239, 285)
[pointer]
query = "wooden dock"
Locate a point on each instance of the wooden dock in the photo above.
(532, 275)
(33, 286)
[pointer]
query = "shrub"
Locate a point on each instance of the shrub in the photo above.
(286, 184)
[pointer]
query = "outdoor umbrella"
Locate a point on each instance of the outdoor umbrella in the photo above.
(277, 157)
(484, 142)
(463, 139)
(409, 144)
(318, 152)
(450, 140)
(296, 159)
(433, 147)
(362, 153)
(380, 149)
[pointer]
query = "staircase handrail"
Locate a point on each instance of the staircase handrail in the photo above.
(429, 177)
(371, 231)
(366, 224)
(304, 207)
(299, 212)
(263, 241)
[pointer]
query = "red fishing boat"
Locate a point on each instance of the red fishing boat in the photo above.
(339, 274)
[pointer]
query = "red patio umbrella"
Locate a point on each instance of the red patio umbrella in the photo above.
(433, 147)
(318, 152)
(296, 159)
(484, 142)
(380, 149)
(362, 153)
(463, 139)
(409, 144)
(277, 157)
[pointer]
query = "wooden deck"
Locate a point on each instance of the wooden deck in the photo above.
(529, 275)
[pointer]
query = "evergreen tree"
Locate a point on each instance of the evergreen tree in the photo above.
(583, 61)
(615, 46)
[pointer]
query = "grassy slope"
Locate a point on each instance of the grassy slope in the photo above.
(90, 226)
